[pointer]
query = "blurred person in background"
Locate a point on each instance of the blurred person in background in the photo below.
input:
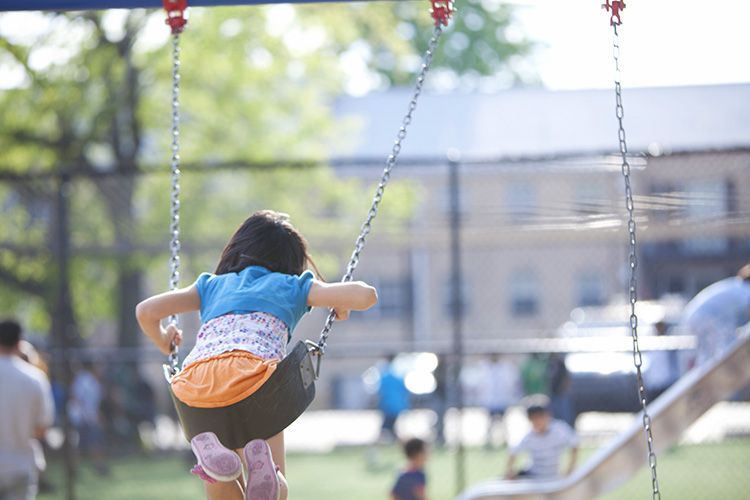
(58, 395)
(84, 411)
(440, 400)
(546, 443)
(663, 367)
(117, 406)
(534, 374)
(29, 353)
(715, 314)
(393, 399)
(26, 411)
(499, 389)
(558, 382)
(411, 483)
(143, 411)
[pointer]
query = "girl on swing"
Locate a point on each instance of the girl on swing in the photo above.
(248, 309)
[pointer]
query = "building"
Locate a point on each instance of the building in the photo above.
(542, 210)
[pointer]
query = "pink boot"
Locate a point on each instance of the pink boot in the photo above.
(215, 462)
(262, 481)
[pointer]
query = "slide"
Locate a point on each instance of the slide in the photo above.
(615, 463)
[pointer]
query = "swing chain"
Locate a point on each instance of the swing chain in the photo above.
(174, 227)
(390, 163)
(632, 264)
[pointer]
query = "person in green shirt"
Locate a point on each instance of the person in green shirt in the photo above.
(534, 374)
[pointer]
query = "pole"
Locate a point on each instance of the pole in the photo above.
(457, 313)
(64, 324)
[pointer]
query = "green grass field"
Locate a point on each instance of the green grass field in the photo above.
(711, 471)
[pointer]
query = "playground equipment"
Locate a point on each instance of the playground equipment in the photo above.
(615, 463)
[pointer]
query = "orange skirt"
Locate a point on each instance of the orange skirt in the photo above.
(222, 380)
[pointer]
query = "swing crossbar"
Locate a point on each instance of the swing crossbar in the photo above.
(73, 5)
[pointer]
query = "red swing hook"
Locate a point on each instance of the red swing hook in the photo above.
(441, 11)
(616, 6)
(176, 14)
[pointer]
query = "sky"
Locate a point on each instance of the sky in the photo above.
(664, 43)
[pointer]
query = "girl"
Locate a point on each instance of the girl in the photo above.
(249, 308)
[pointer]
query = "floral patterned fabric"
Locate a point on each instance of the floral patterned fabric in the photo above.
(261, 334)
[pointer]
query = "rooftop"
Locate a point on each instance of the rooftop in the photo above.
(538, 122)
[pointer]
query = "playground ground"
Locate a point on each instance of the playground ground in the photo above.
(718, 471)
(329, 458)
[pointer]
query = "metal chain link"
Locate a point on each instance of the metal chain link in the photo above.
(389, 164)
(633, 264)
(174, 226)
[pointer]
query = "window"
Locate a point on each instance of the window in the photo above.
(524, 294)
(706, 200)
(590, 198)
(395, 297)
(590, 289)
(521, 202)
(663, 207)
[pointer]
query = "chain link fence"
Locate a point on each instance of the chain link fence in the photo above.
(543, 253)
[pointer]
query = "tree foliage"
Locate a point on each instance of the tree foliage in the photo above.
(480, 40)
(94, 95)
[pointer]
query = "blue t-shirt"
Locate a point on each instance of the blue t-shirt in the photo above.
(394, 397)
(255, 289)
(409, 485)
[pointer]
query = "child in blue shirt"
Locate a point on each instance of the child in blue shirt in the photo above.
(412, 482)
(249, 308)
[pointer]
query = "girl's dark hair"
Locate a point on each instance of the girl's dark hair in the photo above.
(266, 239)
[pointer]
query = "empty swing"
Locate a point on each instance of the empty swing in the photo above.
(291, 388)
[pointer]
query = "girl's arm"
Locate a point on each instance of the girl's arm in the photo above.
(342, 297)
(151, 311)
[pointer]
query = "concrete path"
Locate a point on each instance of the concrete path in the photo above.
(321, 431)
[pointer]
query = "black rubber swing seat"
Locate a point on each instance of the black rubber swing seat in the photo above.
(272, 408)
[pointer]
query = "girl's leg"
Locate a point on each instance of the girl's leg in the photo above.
(278, 451)
(224, 491)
